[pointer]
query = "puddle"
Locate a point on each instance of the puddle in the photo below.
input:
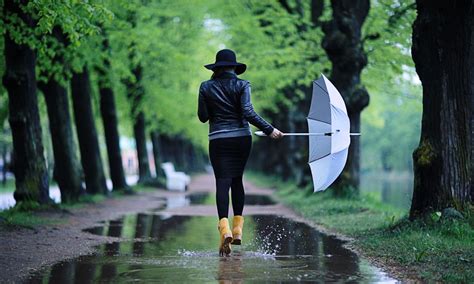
(184, 249)
(205, 198)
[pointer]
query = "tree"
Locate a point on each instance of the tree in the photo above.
(342, 42)
(443, 52)
(66, 165)
(108, 111)
(31, 176)
(135, 93)
(87, 133)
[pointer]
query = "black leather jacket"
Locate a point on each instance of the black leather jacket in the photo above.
(225, 102)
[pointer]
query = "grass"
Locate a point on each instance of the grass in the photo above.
(25, 214)
(437, 249)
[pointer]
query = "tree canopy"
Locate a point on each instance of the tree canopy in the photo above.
(279, 40)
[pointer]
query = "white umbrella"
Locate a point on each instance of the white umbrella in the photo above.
(329, 133)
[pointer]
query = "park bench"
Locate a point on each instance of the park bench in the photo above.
(177, 181)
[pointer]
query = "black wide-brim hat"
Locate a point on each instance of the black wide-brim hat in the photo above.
(226, 57)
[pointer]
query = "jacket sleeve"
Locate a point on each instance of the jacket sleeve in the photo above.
(249, 113)
(202, 107)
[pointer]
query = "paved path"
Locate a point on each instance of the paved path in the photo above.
(24, 251)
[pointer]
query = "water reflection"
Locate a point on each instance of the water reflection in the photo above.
(205, 198)
(184, 249)
(209, 198)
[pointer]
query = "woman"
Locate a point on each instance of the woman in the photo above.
(224, 100)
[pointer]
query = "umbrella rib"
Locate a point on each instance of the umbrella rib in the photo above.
(318, 120)
(319, 158)
(322, 88)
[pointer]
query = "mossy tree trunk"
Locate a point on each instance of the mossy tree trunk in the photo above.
(343, 45)
(31, 175)
(108, 111)
(443, 52)
(67, 171)
(87, 133)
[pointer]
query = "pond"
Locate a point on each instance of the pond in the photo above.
(391, 188)
(184, 249)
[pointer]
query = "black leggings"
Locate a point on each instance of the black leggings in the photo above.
(222, 196)
(228, 158)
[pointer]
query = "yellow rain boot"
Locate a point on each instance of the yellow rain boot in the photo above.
(226, 236)
(237, 226)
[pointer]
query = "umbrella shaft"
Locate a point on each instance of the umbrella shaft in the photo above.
(316, 134)
(309, 134)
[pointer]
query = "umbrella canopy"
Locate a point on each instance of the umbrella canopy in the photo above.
(327, 153)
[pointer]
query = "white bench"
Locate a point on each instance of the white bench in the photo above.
(178, 181)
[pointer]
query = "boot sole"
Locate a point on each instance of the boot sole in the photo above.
(226, 245)
(237, 240)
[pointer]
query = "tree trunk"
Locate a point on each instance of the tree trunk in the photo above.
(443, 52)
(87, 133)
(67, 171)
(155, 140)
(139, 132)
(342, 42)
(108, 111)
(31, 175)
(135, 94)
(4, 168)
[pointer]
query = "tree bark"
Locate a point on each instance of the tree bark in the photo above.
(31, 176)
(87, 133)
(343, 45)
(443, 52)
(108, 111)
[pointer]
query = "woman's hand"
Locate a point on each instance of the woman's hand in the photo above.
(276, 134)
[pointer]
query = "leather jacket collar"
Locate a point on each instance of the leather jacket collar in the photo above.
(226, 75)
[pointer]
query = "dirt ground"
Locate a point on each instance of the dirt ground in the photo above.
(24, 251)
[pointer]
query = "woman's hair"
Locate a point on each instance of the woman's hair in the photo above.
(220, 70)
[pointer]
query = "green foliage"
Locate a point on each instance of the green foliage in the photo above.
(391, 122)
(76, 20)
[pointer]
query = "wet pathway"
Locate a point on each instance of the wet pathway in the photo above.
(172, 244)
